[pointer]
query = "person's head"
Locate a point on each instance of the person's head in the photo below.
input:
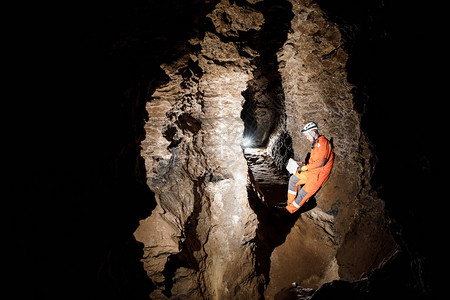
(311, 131)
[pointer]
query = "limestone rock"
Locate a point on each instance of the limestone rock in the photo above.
(196, 167)
(229, 19)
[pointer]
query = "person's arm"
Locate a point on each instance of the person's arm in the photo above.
(319, 159)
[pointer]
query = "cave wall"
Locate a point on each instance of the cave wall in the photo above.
(194, 163)
(195, 166)
(312, 64)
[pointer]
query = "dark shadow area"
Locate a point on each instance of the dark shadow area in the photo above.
(87, 70)
(394, 73)
(390, 282)
(261, 115)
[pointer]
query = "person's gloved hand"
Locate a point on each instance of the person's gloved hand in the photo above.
(304, 168)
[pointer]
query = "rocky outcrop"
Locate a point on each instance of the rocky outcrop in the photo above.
(198, 242)
(307, 257)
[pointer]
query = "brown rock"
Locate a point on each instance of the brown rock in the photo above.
(315, 87)
(196, 167)
(203, 216)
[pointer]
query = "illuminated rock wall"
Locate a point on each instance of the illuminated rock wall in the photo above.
(196, 167)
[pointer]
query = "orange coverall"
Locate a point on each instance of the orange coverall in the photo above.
(318, 172)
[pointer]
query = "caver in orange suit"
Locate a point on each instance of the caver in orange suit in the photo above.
(317, 173)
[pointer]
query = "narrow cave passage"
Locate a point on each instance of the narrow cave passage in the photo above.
(263, 114)
(274, 223)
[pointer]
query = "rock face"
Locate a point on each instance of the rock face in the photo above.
(201, 239)
(307, 257)
(312, 66)
(198, 242)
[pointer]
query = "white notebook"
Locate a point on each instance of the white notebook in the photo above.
(292, 166)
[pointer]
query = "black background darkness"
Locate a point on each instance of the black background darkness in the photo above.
(72, 143)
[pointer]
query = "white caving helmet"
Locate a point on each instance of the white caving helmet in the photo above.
(310, 126)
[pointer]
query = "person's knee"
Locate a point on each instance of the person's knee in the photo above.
(292, 182)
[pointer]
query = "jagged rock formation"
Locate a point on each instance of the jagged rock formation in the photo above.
(312, 67)
(196, 167)
(200, 240)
